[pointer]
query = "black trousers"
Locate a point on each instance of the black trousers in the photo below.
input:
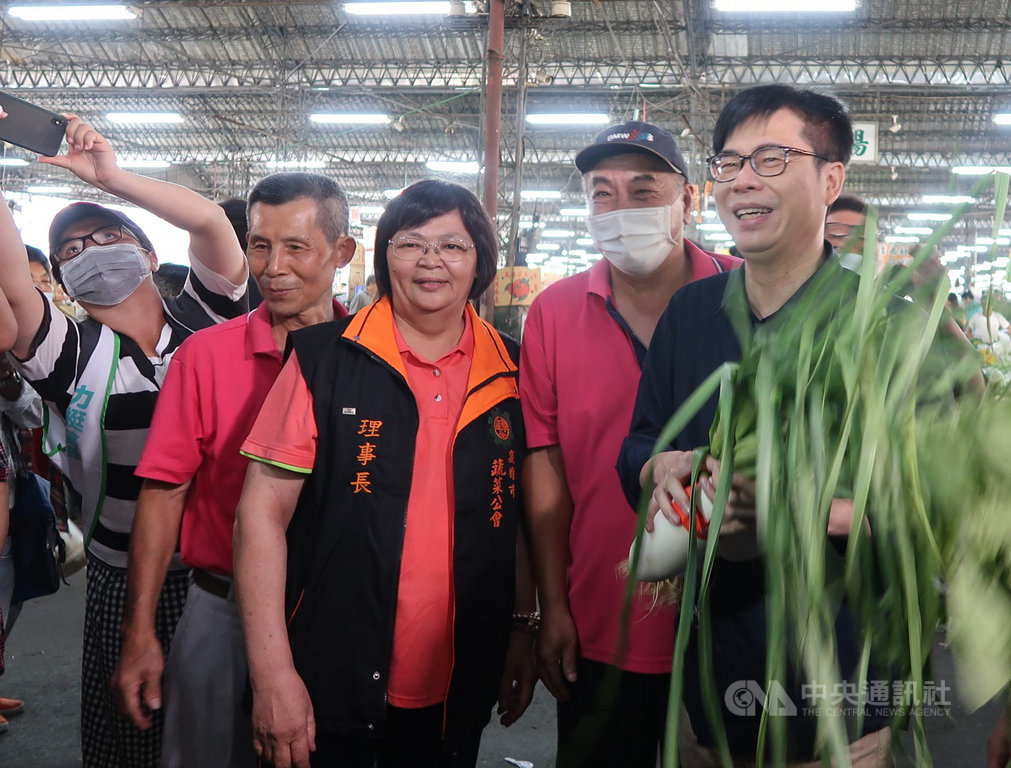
(612, 718)
(412, 739)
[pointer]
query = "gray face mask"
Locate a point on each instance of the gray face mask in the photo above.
(105, 274)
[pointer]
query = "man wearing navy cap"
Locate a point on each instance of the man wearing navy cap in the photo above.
(639, 200)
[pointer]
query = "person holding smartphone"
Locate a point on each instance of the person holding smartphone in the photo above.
(100, 380)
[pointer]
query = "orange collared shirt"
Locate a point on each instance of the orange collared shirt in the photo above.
(423, 633)
(422, 659)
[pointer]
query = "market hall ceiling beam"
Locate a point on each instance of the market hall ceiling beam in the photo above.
(716, 73)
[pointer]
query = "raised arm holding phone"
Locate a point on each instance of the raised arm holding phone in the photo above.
(100, 380)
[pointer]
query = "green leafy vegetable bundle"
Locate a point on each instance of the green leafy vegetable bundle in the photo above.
(850, 396)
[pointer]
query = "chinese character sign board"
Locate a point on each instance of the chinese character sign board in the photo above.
(865, 143)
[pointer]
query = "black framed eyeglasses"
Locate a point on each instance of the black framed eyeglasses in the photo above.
(107, 234)
(841, 231)
(449, 249)
(765, 161)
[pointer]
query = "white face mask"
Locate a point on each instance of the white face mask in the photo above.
(105, 274)
(634, 240)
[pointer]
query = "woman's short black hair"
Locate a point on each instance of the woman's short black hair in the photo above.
(426, 200)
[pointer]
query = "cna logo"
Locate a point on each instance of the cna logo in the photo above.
(635, 135)
(746, 697)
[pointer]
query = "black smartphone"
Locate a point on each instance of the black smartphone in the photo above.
(31, 127)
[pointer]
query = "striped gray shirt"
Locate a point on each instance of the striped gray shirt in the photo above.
(62, 348)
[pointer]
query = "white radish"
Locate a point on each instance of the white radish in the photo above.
(665, 548)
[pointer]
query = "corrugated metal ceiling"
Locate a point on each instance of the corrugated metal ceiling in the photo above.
(246, 75)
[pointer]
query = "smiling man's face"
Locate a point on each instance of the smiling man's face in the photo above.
(776, 217)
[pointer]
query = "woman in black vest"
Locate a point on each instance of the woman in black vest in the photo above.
(387, 459)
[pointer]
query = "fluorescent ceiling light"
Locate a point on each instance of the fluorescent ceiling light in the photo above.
(569, 118)
(540, 194)
(913, 230)
(972, 248)
(350, 118)
(991, 241)
(389, 194)
(549, 247)
(397, 9)
(140, 163)
(901, 239)
(712, 226)
(557, 233)
(719, 237)
(1002, 118)
(149, 118)
(782, 6)
(928, 216)
(948, 199)
(454, 166)
(709, 213)
(71, 12)
(13, 162)
(980, 170)
(584, 241)
(296, 164)
(573, 212)
(42, 189)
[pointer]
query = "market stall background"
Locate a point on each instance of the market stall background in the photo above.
(925, 78)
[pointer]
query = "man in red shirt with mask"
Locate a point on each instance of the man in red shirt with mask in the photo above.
(583, 345)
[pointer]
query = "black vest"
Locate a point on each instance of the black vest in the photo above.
(346, 536)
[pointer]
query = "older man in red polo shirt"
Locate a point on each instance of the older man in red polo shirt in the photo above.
(298, 225)
(583, 345)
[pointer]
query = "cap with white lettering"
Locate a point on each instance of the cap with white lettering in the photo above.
(633, 136)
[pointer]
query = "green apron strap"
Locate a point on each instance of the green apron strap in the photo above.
(100, 502)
